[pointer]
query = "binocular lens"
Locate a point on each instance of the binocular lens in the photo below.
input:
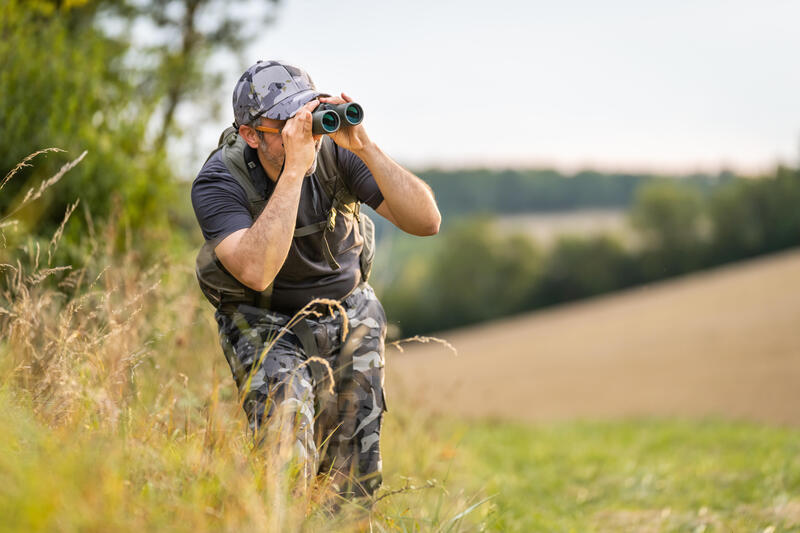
(353, 114)
(324, 121)
(330, 121)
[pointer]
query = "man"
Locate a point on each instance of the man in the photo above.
(279, 209)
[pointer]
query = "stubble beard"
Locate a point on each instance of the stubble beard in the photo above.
(277, 162)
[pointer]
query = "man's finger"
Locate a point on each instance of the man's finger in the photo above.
(332, 100)
(306, 122)
(308, 106)
(297, 122)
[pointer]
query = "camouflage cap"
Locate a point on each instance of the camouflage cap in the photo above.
(271, 89)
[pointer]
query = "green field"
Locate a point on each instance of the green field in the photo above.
(653, 475)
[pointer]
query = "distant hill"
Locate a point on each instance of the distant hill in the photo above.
(523, 191)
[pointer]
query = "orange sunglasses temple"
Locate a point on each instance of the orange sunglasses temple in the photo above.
(267, 130)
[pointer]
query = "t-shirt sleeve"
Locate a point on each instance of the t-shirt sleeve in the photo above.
(359, 178)
(220, 203)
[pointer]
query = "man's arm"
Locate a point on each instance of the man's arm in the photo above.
(256, 254)
(408, 202)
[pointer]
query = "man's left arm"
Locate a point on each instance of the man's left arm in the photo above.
(408, 202)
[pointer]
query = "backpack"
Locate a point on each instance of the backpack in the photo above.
(219, 286)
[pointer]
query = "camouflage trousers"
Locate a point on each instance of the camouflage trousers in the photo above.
(288, 397)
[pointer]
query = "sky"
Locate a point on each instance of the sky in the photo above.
(616, 85)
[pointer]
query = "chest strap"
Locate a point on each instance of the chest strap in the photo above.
(325, 227)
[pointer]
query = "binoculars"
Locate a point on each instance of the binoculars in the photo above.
(328, 118)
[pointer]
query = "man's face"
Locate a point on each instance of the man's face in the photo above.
(270, 146)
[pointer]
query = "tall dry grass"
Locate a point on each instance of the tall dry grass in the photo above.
(119, 412)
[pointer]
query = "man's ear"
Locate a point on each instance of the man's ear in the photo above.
(249, 135)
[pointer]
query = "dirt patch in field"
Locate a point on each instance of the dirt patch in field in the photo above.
(718, 343)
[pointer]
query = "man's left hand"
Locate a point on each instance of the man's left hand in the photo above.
(353, 138)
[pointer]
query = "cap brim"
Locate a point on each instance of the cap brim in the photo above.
(286, 108)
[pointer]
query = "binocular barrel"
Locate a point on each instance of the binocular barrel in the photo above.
(327, 118)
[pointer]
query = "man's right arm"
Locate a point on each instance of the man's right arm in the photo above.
(255, 255)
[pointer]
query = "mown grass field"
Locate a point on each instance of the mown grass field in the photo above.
(721, 343)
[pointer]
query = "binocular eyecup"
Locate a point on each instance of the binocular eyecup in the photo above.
(328, 118)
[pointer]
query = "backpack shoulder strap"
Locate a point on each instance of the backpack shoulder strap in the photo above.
(342, 199)
(330, 175)
(233, 146)
(328, 165)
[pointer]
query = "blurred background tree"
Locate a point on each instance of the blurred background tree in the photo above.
(476, 273)
(668, 218)
(752, 217)
(577, 267)
(473, 271)
(108, 76)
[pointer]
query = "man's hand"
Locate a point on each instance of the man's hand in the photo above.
(353, 138)
(298, 142)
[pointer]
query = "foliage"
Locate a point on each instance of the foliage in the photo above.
(187, 35)
(580, 267)
(461, 192)
(474, 273)
(755, 216)
(70, 79)
(668, 219)
(62, 86)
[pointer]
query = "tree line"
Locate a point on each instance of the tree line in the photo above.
(473, 272)
(520, 191)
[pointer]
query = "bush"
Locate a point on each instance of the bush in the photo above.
(668, 218)
(475, 274)
(581, 267)
(64, 84)
(756, 216)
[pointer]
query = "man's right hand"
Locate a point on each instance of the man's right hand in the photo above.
(298, 142)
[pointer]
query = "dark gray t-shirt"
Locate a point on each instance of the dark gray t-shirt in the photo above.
(221, 207)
